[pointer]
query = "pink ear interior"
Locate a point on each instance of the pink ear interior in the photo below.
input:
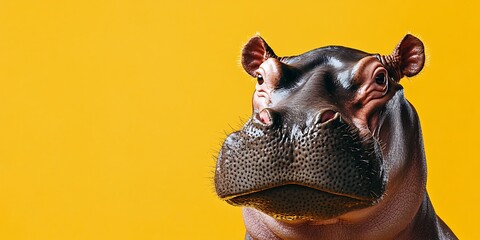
(411, 53)
(254, 53)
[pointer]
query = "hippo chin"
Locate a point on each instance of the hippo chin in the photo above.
(333, 150)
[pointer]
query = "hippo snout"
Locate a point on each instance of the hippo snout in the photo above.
(315, 170)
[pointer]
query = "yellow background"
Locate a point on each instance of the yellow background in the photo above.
(111, 112)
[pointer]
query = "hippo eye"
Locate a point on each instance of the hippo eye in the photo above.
(380, 79)
(260, 79)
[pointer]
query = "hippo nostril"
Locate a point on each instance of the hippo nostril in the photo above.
(264, 116)
(327, 115)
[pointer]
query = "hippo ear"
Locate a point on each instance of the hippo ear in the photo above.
(254, 53)
(411, 54)
(407, 59)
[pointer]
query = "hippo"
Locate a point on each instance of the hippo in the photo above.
(333, 149)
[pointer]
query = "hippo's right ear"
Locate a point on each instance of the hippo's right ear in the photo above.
(407, 59)
(254, 53)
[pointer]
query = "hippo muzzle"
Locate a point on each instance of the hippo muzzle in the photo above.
(317, 171)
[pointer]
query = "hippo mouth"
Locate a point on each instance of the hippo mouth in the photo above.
(296, 202)
(315, 172)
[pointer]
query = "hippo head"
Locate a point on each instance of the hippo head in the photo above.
(311, 149)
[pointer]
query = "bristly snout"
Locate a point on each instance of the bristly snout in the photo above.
(287, 166)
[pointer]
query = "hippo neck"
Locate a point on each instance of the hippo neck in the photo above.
(400, 133)
(405, 163)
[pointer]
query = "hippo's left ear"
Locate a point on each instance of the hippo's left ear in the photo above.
(254, 53)
(407, 59)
